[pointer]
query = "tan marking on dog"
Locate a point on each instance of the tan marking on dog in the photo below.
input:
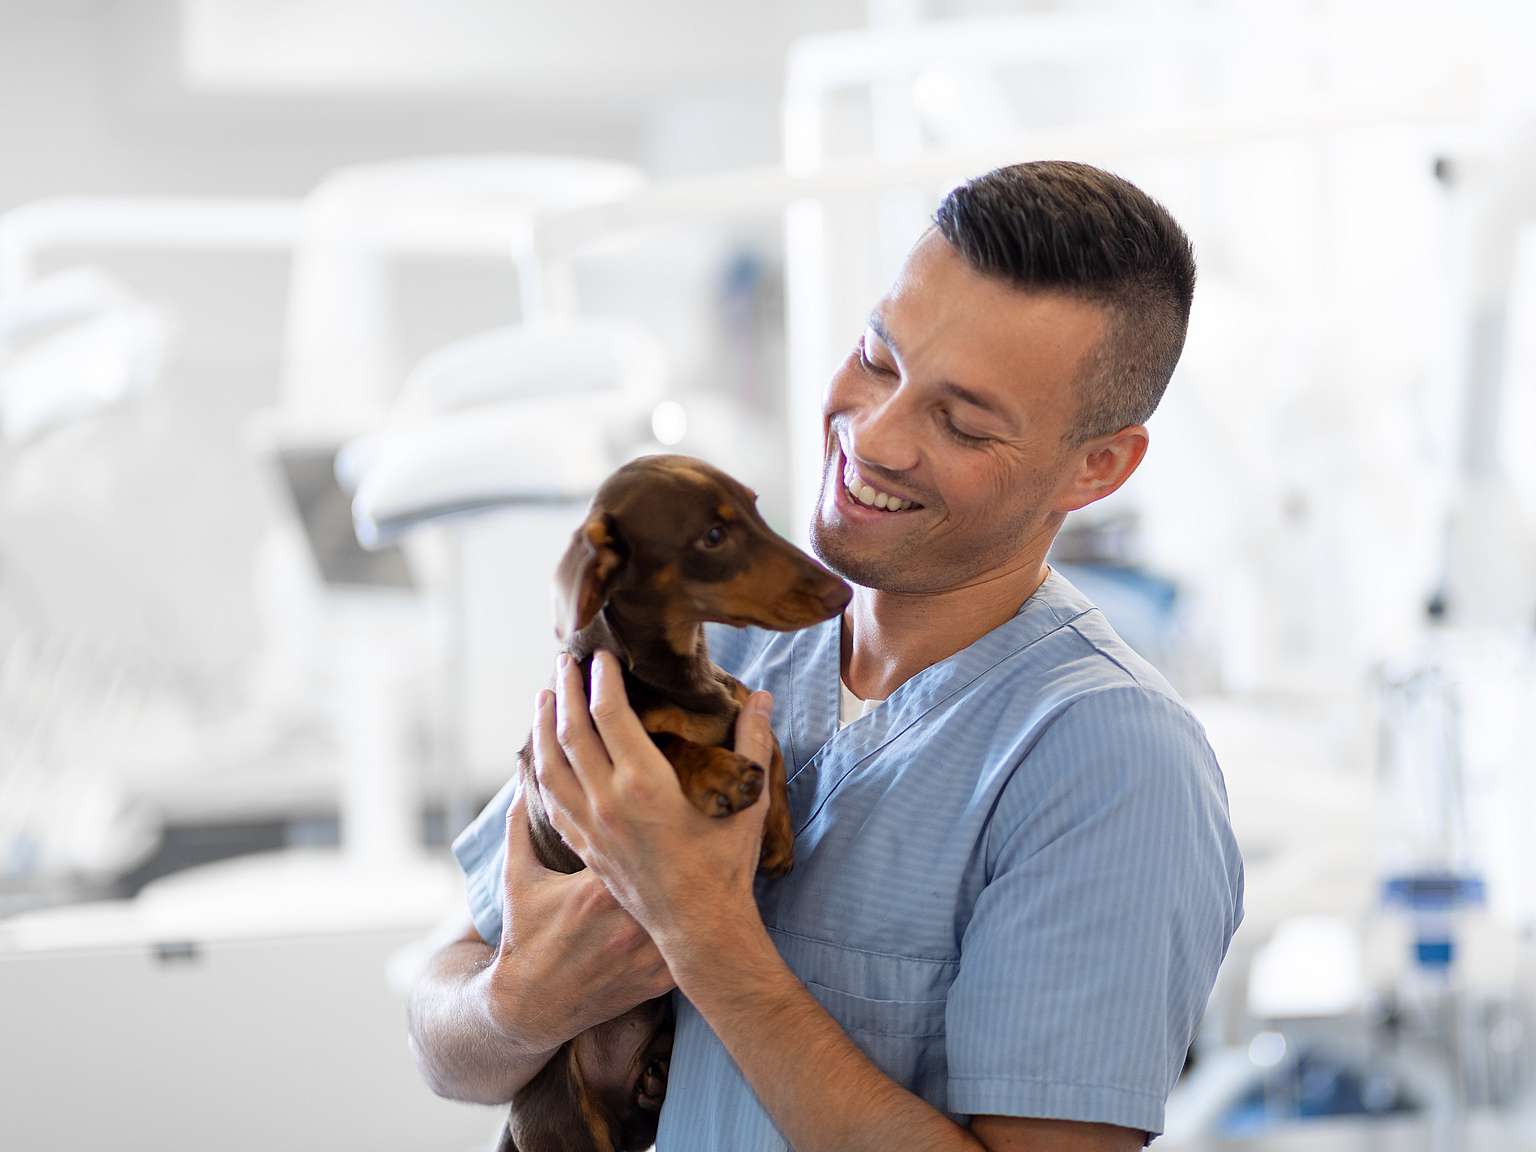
(607, 559)
(666, 576)
(725, 512)
(709, 730)
(740, 691)
(763, 592)
(682, 637)
(689, 472)
(591, 1114)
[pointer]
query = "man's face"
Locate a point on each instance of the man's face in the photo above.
(957, 398)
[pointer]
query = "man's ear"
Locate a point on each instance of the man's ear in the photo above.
(1102, 465)
(587, 573)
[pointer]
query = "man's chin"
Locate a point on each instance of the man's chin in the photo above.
(865, 571)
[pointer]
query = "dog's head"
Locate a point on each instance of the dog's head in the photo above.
(684, 542)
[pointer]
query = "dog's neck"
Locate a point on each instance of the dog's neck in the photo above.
(671, 659)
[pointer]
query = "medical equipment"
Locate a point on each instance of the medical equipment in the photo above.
(75, 346)
(470, 446)
(471, 430)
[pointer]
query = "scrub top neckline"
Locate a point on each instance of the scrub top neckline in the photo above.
(851, 707)
(816, 661)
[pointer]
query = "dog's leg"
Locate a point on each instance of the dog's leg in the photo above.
(778, 830)
(716, 780)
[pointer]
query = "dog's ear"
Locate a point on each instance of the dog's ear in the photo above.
(555, 1112)
(587, 573)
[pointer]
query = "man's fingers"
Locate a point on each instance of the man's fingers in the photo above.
(561, 789)
(623, 735)
(583, 749)
(754, 729)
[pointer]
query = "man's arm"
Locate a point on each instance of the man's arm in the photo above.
(820, 1089)
(462, 1052)
(484, 1020)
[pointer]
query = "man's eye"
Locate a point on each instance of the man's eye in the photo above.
(963, 437)
(714, 537)
(868, 364)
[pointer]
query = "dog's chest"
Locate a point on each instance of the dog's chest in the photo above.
(698, 727)
(714, 725)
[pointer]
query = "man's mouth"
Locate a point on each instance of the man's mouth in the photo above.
(869, 496)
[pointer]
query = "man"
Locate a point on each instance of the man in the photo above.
(1015, 878)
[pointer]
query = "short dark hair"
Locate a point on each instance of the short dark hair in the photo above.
(1059, 226)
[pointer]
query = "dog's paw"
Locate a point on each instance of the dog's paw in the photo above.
(749, 786)
(736, 791)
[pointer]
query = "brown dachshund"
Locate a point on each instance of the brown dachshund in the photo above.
(669, 543)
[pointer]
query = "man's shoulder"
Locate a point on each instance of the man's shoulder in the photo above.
(1094, 698)
(1082, 656)
(1108, 694)
(1086, 659)
(1114, 738)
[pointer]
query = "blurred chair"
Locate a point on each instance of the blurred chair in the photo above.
(344, 383)
(73, 346)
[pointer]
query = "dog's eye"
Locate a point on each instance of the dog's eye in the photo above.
(714, 537)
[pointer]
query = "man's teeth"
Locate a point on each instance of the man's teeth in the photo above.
(873, 497)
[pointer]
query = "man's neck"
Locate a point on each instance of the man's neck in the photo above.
(889, 637)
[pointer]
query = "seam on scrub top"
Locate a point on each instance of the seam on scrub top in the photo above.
(865, 951)
(1136, 680)
(862, 760)
(1063, 1083)
(794, 753)
(1051, 607)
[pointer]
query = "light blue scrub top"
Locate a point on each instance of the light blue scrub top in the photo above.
(1014, 879)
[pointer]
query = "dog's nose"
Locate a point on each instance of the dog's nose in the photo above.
(836, 597)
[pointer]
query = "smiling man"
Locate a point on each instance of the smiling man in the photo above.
(1015, 877)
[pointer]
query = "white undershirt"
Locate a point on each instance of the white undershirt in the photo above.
(852, 707)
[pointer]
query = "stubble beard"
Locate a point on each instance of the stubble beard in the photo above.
(906, 566)
(890, 570)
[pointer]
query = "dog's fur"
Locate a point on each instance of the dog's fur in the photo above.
(668, 543)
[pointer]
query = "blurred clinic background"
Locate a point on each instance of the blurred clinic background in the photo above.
(320, 321)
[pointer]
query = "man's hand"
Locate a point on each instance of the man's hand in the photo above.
(615, 798)
(570, 957)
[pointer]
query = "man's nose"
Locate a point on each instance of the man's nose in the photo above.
(882, 435)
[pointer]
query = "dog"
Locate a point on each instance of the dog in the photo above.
(668, 543)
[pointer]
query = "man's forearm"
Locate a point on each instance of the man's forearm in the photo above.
(461, 1051)
(821, 1091)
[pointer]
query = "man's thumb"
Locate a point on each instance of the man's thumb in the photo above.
(521, 861)
(754, 730)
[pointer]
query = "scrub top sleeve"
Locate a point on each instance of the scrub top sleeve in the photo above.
(1114, 886)
(481, 850)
